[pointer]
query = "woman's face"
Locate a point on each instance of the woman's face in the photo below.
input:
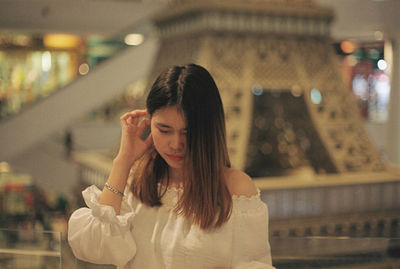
(168, 129)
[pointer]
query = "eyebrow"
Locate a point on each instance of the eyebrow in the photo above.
(159, 124)
(163, 125)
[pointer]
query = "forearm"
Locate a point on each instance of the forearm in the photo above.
(117, 179)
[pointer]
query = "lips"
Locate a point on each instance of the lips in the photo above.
(175, 157)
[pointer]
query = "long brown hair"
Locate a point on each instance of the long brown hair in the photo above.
(205, 200)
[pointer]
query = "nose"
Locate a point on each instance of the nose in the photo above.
(177, 142)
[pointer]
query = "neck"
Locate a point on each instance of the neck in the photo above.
(175, 176)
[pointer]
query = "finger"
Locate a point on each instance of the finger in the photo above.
(141, 111)
(123, 120)
(134, 120)
(124, 117)
(129, 118)
(129, 121)
(143, 124)
(149, 141)
(138, 112)
(141, 114)
(136, 115)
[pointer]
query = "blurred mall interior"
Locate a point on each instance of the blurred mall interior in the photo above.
(311, 92)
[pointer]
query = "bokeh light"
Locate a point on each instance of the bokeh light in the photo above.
(83, 69)
(316, 96)
(382, 64)
(134, 39)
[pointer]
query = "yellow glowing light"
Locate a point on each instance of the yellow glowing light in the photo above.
(378, 35)
(134, 39)
(61, 41)
(83, 69)
(296, 91)
(46, 61)
(347, 47)
(5, 167)
(22, 40)
(351, 60)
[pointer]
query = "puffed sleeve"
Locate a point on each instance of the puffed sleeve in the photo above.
(97, 235)
(251, 249)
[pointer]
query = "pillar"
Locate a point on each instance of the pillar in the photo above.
(393, 123)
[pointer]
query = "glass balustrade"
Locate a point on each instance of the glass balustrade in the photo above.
(30, 249)
(335, 252)
(23, 249)
(323, 252)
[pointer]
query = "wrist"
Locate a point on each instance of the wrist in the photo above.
(122, 162)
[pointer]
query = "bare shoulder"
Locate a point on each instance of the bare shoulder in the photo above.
(239, 183)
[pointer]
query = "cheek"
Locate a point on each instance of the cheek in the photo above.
(157, 140)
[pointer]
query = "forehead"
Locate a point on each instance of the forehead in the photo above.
(170, 116)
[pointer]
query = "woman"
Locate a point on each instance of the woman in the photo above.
(172, 200)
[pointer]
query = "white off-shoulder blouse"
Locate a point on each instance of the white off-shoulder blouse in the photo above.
(156, 237)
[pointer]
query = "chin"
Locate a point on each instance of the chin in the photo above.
(174, 165)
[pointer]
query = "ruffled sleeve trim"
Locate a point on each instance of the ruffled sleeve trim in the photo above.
(244, 197)
(242, 204)
(107, 213)
(250, 247)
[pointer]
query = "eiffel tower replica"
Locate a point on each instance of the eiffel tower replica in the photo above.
(286, 103)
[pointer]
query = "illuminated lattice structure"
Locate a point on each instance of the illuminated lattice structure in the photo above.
(286, 104)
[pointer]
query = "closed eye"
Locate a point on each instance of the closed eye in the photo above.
(165, 129)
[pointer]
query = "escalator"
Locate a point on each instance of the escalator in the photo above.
(37, 122)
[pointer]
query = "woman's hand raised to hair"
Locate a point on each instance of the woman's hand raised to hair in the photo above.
(132, 146)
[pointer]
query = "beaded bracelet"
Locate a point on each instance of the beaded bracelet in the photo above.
(113, 189)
